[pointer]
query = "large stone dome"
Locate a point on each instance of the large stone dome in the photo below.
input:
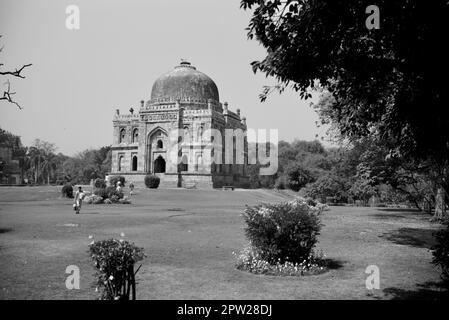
(184, 82)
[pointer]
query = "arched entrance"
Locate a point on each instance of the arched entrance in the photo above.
(159, 165)
(156, 143)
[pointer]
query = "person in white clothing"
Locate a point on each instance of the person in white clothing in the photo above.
(119, 187)
(79, 196)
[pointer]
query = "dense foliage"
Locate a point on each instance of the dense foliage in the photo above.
(115, 261)
(282, 232)
(108, 194)
(114, 179)
(152, 181)
(67, 190)
(379, 79)
(99, 183)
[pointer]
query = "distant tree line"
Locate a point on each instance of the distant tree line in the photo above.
(40, 164)
(355, 172)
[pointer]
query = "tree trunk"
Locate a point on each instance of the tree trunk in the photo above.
(36, 173)
(440, 204)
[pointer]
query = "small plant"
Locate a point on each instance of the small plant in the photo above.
(115, 260)
(441, 251)
(152, 181)
(67, 191)
(114, 179)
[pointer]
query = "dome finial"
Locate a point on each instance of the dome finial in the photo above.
(184, 62)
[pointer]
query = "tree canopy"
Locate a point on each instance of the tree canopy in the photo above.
(388, 83)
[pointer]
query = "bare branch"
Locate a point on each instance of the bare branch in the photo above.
(15, 73)
(7, 95)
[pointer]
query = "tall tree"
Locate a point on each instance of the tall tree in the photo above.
(388, 83)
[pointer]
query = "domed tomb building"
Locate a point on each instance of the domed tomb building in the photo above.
(184, 103)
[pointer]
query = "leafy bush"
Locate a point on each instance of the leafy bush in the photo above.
(298, 176)
(111, 194)
(99, 183)
(114, 261)
(328, 186)
(282, 232)
(152, 181)
(114, 179)
(441, 251)
(101, 193)
(110, 190)
(67, 191)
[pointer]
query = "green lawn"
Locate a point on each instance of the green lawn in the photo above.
(190, 236)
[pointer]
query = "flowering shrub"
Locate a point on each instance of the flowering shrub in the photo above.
(282, 238)
(282, 232)
(110, 193)
(315, 206)
(114, 261)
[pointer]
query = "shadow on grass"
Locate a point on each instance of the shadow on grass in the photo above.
(404, 210)
(333, 264)
(415, 237)
(425, 291)
(388, 216)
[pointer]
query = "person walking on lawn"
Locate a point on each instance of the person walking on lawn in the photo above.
(79, 196)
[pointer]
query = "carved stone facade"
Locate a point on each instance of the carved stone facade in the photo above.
(184, 105)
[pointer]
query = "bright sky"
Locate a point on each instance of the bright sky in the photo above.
(79, 77)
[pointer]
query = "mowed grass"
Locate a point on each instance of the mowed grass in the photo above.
(189, 237)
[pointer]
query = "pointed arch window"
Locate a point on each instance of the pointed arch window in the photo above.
(122, 135)
(135, 135)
